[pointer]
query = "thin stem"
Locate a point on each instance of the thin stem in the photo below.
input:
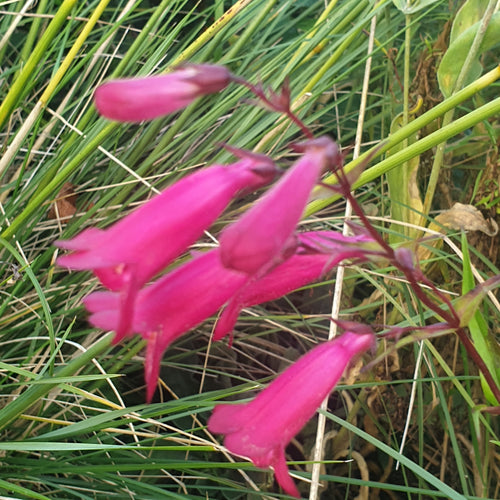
(339, 278)
(406, 75)
(415, 280)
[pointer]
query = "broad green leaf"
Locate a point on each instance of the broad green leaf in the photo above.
(455, 56)
(469, 14)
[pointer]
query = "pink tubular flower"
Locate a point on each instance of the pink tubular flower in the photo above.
(263, 236)
(318, 252)
(262, 428)
(170, 307)
(129, 253)
(137, 99)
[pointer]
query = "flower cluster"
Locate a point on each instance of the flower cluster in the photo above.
(261, 256)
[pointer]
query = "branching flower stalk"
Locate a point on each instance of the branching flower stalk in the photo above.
(280, 102)
(402, 259)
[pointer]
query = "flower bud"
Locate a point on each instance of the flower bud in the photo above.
(138, 99)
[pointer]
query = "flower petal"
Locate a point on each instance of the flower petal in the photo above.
(227, 418)
(128, 254)
(138, 99)
(154, 353)
(261, 429)
(318, 253)
(159, 231)
(283, 475)
(170, 307)
(264, 234)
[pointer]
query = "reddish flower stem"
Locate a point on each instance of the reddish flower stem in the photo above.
(281, 103)
(416, 278)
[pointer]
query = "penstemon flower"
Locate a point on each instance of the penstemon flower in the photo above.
(138, 99)
(261, 257)
(264, 235)
(170, 307)
(262, 428)
(128, 254)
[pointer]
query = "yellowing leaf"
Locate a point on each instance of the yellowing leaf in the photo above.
(406, 203)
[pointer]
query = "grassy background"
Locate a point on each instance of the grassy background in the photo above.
(71, 407)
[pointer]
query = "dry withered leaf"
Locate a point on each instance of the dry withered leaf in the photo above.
(468, 218)
(460, 216)
(64, 206)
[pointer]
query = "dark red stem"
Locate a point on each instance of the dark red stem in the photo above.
(416, 278)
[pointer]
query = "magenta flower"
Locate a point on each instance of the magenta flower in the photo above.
(170, 307)
(262, 428)
(318, 252)
(129, 253)
(137, 99)
(264, 235)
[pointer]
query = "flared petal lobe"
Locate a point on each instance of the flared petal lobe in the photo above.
(262, 428)
(138, 99)
(132, 251)
(170, 307)
(263, 236)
